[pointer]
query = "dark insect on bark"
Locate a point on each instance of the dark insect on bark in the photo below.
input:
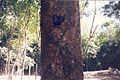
(57, 20)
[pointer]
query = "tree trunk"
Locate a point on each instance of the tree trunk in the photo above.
(1, 5)
(60, 40)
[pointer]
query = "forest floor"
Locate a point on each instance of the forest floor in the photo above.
(26, 77)
(110, 74)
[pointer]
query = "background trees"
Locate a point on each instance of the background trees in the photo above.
(19, 29)
(101, 48)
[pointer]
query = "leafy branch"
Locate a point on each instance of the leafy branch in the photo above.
(92, 32)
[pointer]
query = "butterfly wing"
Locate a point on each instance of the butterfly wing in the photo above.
(57, 20)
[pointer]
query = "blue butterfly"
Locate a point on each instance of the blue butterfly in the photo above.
(57, 20)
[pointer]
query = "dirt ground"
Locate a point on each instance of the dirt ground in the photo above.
(20, 78)
(110, 74)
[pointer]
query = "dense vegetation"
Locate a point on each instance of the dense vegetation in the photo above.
(103, 48)
(19, 34)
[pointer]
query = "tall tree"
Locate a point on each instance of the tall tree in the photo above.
(60, 40)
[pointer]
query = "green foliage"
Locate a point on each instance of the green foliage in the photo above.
(89, 56)
(102, 48)
(33, 52)
(109, 56)
(15, 58)
(110, 32)
(83, 5)
(112, 9)
(19, 25)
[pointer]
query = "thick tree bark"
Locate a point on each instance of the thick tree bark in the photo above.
(60, 40)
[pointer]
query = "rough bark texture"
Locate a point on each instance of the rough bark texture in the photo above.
(60, 34)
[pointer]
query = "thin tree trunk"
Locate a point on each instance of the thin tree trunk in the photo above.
(36, 67)
(8, 54)
(60, 40)
(13, 68)
(29, 71)
(1, 5)
(24, 54)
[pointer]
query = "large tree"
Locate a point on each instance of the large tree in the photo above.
(60, 40)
